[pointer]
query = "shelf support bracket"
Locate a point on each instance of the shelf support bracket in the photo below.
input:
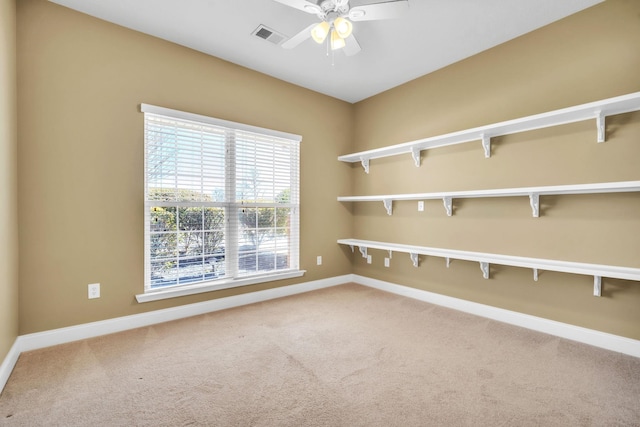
(388, 205)
(363, 251)
(535, 274)
(534, 200)
(600, 123)
(448, 261)
(597, 286)
(448, 205)
(484, 266)
(352, 248)
(415, 153)
(390, 254)
(365, 164)
(414, 259)
(486, 144)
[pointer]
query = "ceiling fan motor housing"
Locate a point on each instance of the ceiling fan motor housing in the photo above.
(332, 9)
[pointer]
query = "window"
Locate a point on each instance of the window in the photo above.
(221, 202)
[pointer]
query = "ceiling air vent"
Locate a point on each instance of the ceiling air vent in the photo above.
(268, 34)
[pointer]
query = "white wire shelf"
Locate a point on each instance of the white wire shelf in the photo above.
(533, 193)
(598, 110)
(485, 260)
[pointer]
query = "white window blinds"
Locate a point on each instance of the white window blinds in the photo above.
(221, 200)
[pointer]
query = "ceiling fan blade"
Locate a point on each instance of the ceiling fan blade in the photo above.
(351, 46)
(372, 12)
(303, 5)
(298, 38)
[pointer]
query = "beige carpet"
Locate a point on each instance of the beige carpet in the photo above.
(343, 356)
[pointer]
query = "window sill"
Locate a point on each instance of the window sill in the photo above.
(181, 291)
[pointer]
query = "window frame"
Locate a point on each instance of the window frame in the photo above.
(232, 208)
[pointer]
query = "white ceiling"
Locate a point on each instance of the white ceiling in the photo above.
(434, 34)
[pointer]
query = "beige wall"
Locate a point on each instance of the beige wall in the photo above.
(592, 55)
(80, 165)
(80, 168)
(8, 180)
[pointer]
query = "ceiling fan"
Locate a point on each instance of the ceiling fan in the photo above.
(336, 18)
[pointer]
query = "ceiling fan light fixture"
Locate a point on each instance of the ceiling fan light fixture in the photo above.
(319, 32)
(343, 27)
(337, 42)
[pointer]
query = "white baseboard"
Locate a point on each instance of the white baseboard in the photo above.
(8, 363)
(89, 330)
(119, 324)
(94, 329)
(575, 333)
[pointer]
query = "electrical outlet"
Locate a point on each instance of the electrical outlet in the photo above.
(386, 262)
(420, 206)
(368, 259)
(94, 290)
(319, 260)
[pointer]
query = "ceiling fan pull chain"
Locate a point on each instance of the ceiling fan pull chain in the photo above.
(328, 45)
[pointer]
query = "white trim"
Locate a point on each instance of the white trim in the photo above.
(563, 330)
(180, 291)
(8, 363)
(177, 114)
(94, 329)
(89, 330)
